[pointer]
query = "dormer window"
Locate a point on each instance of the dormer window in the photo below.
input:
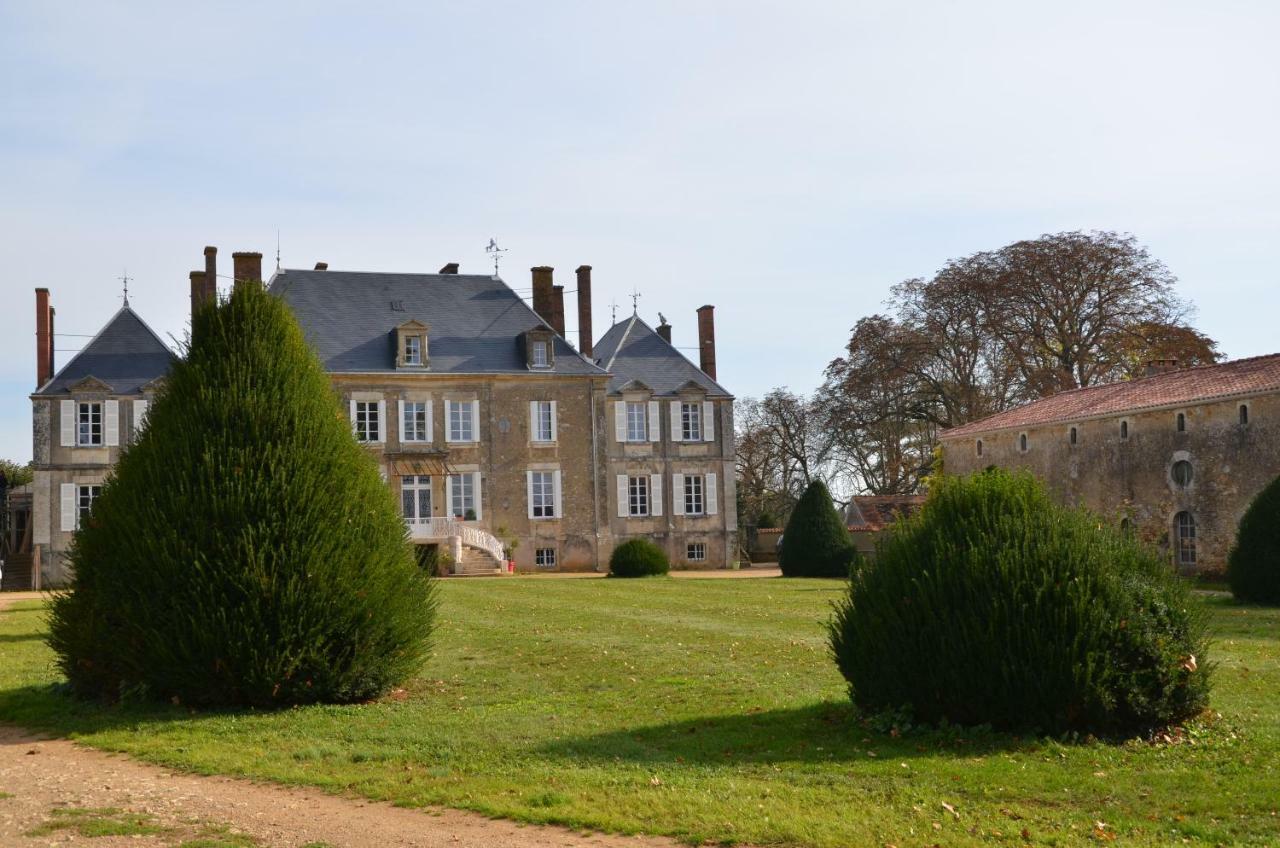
(412, 350)
(538, 347)
(411, 345)
(539, 358)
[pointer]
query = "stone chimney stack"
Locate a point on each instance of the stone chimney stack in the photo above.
(1160, 366)
(197, 290)
(664, 330)
(585, 344)
(557, 309)
(44, 338)
(210, 293)
(707, 340)
(248, 267)
(543, 295)
(451, 268)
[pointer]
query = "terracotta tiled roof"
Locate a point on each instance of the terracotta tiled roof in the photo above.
(872, 513)
(1171, 388)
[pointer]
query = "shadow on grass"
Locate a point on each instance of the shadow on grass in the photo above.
(825, 732)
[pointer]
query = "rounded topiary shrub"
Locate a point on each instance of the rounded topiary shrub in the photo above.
(1253, 566)
(816, 542)
(996, 606)
(245, 550)
(638, 558)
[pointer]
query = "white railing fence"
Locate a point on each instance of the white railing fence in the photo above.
(442, 528)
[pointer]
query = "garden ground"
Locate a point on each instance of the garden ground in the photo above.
(705, 711)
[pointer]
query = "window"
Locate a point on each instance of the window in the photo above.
(1124, 429)
(539, 357)
(544, 416)
(637, 496)
(414, 424)
(462, 425)
(415, 497)
(1184, 535)
(1182, 422)
(413, 350)
(542, 494)
(694, 494)
(696, 552)
(1075, 436)
(89, 424)
(462, 496)
(691, 422)
(1181, 473)
(85, 496)
(1126, 526)
(368, 427)
(1022, 442)
(1244, 415)
(979, 447)
(545, 557)
(636, 422)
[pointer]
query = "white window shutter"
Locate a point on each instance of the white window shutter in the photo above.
(555, 422)
(555, 487)
(67, 416)
(710, 498)
(404, 422)
(528, 491)
(382, 422)
(448, 496)
(448, 420)
(655, 494)
(677, 430)
(111, 412)
(475, 420)
(620, 420)
(68, 498)
(139, 417)
(352, 404)
(431, 425)
(624, 507)
(677, 494)
(708, 421)
(477, 495)
(655, 425)
(533, 421)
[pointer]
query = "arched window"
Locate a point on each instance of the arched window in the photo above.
(1075, 436)
(1181, 472)
(1184, 537)
(1022, 442)
(1182, 422)
(1124, 429)
(1244, 415)
(979, 447)
(1126, 526)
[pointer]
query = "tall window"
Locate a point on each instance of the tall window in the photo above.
(414, 425)
(1075, 436)
(543, 421)
(368, 427)
(89, 424)
(415, 497)
(695, 489)
(540, 355)
(1182, 422)
(1244, 415)
(979, 447)
(542, 492)
(1022, 442)
(1124, 429)
(691, 422)
(412, 350)
(638, 496)
(635, 422)
(462, 496)
(1184, 530)
(462, 425)
(85, 496)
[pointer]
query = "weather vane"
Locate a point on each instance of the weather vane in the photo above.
(124, 278)
(613, 310)
(635, 301)
(496, 252)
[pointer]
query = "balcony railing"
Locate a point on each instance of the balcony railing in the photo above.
(441, 527)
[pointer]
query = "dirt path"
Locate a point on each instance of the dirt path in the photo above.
(54, 792)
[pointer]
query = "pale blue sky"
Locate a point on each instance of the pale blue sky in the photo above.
(788, 162)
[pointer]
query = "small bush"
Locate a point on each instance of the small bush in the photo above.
(996, 606)
(767, 521)
(816, 542)
(638, 558)
(1253, 566)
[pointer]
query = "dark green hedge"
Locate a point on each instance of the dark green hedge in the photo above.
(1253, 566)
(816, 542)
(638, 558)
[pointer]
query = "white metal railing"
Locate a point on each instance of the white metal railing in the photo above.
(442, 527)
(484, 540)
(430, 528)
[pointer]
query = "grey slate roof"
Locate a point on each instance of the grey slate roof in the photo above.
(631, 350)
(126, 355)
(475, 321)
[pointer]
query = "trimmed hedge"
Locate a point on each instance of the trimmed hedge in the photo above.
(816, 542)
(996, 606)
(638, 558)
(245, 550)
(1253, 566)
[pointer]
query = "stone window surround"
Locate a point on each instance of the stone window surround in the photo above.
(1180, 456)
(407, 330)
(1175, 537)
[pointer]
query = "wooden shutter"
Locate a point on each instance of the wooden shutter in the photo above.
(431, 427)
(476, 494)
(448, 496)
(620, 420)
(533, 421)
(475, 425)
(448, 420)
(624, 504)
(528, 491)
(708, 421)
(381, 435)
(67, 422)
(68, 502)
(352, 405)
(139, 417)
(677, 494)
(111, 416)
(555, 488)
(404, 422)
(655, 424)
(655, 495)
(710, 497)
(677, 430)
(555, 421)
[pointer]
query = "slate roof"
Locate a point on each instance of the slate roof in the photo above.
(126, 355)
(631, 350)
(1171, 388)
(475, 321)
(873, 513)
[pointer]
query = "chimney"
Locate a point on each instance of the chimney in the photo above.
(664, 330)
(543, 296)
(322, 266)
(707, 340)
(585, 345)
(210, 275)
(52, 336)
(44, 338)
(557, 309)
(248, 267)
(197, 290)
(451, 268)
(1160, 366)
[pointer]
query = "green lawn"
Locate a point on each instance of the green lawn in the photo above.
(707, 710)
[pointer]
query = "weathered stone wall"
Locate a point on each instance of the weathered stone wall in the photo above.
(1131, 478)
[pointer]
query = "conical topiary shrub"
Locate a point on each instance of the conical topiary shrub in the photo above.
(245, 550)
(816, 542)
(1253, 566)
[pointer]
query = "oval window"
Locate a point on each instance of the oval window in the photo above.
(1181, 473)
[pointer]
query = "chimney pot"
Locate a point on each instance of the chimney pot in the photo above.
(44, 338)
(322, 266)
(210, 293)
(707, 340)
(664, 330)
(450, 268)
(248, 267)
(543, 294)
(585, 343)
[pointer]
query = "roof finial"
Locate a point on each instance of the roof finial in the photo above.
(124, 278)
(496, 252)
(635, 301)
(613, 310)
(277, 249)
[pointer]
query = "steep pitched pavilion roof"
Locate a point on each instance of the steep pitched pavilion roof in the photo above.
(1171, 388)
(475, 321)
(126, 355)
(632, 351)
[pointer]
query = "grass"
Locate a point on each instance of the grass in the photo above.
(98, 821)
(709, 711)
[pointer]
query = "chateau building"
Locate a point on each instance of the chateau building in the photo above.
(1175, 456)
(502, 441)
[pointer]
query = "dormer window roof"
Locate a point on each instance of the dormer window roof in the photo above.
(539, 348)
(411, 345)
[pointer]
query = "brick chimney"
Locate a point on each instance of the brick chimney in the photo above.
(585, 344)
(664, 330)
(1160, 366)
(44, 338)
(557, 309)
(707, 340)
(543, 296)
(451, 268)
(322, 266)
(197, 290)
(210, 274)
(248, 267)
